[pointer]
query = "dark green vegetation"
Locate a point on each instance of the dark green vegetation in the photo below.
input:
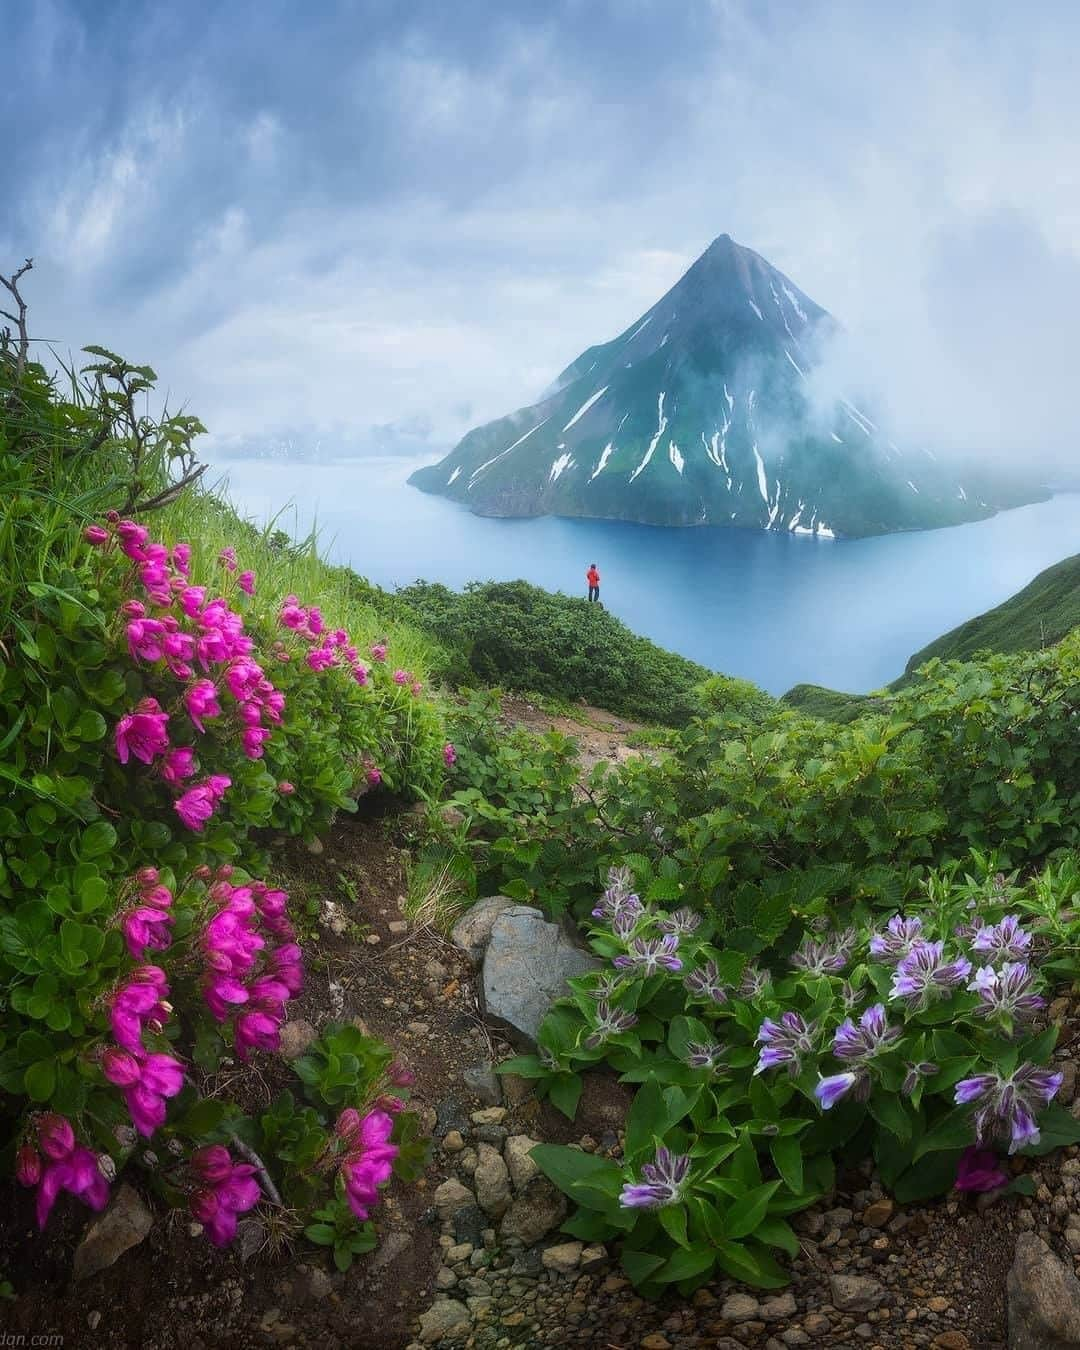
(521, 637)
(817, 701)
(698, 414)
(1039, 615)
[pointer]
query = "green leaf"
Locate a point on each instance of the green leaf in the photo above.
(933, 1175)
(40, 1080)
(684, 1265)
(787, 1155)
(646, 1122)
(322, 1234)
(673, 1221)
(751, 1265)
(888, 1110)
(565, 1092)
(745, 1214)
(97, 840)
(640, 1265)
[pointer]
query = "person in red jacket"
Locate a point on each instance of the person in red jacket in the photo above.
(592, 576)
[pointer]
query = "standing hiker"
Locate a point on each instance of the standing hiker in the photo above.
(592, 576)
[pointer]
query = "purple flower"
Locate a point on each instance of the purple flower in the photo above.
(662, 1182)
(784, 1042)
(915, 1074)
(705, 983)
(827, 957)
(830, 1090)
(624, 921)
(609, 1022)
(1007, 1106)
(860, 1043)
(606, 986)
(979, 1170)
(649, 954)
(754, 983)
(618, 898)
(924, 975)
(700, 1056)
(898, 939)
(1004, 941)
(680, 921)
(1007, 993)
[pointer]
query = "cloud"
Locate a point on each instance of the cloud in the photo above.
(317, 225)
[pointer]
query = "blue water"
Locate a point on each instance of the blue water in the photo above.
(773, 608)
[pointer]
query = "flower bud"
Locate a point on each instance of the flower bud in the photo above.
(96, 535)
(147, 876)
(28, 1166)
(55, 1136)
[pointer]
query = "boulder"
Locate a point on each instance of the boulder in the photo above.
(1044, 1299)
(483, 1082)
(492, 1181)
(536, 1211)
(856, 1293)
(122, 1226)
(472, 931)
(447, 1317)
(452, 1196)
(526, 966)
(522, 1168)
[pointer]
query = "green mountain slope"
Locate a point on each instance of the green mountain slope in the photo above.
(1038, 616)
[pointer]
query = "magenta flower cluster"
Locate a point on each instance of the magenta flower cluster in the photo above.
(57, 1162)
(222, 1190)
(176, 627)
(245, 977)
(368, 1153)
(146, 1078)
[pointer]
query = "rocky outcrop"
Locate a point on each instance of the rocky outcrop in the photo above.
(526, 966)
(1044, 1299)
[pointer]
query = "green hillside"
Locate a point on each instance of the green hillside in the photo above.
(1038, 616)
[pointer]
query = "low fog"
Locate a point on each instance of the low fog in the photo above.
(376, 231)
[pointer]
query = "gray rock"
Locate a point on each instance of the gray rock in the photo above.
(526, 966)
(563, 1258)
(780, 1308)
(123, 1225)
(492, 1181)
(483, 1082)
(856, 1293)
(472, 931)
(1044, 1299)
(740, 1308)
(522, 1168)
(447, 1317)
(450, 1115)
(452, 1196)
(537, 1210)
(469, 1224)
(296, 1038)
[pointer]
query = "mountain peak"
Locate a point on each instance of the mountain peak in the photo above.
(700, 413)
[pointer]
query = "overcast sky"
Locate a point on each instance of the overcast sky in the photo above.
(378, 223)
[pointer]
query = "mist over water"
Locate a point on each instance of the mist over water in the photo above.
(773, 608)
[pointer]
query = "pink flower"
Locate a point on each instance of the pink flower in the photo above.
(229, 1189)
(181, 558)
(148, 876)
(56, 1138)
(400, 1076)
(246, 582)
(401, 677)
(374, 776)
(286, 788)
(178, 764)
(416, 687)
(315, 621)
(378, 652)
(449, 755)
(338, 638)
(321, 657)
(227, 558)
(142, 733)
(144, 639)
(79, 1174)
(28, 1166)
(218, 785)
(133, 609)
(179, 649)
(120, 1067)
(360, 674)
(370, 1159)
(192, 599)
(256, 1031)
(243, 678)
(201, 700)
(252, 740)
(137, 1002)
(146, 928)
(132, 538)
(979, 1170)
(196, 806)
(292, 616)
(96, 535)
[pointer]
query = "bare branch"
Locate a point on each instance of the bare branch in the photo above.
(19, 320)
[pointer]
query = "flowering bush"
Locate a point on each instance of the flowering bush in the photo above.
(155, 709)
(916, 1041)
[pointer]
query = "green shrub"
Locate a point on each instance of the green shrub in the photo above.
(521, 637)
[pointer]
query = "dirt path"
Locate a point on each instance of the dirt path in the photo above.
(601, 735)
